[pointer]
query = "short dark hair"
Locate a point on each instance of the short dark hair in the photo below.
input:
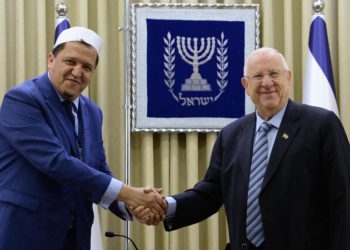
(61, 46)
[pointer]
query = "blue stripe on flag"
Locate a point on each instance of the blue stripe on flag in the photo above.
(64, 24)
(318, 44)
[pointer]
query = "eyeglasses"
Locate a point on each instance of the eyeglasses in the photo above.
(275, 74)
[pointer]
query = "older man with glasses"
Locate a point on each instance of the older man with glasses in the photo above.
(282, 172)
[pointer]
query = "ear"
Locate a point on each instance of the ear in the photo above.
(244, 83)
(50, 59)
(289, 77)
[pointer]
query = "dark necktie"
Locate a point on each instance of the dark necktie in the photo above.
(73, 117)
(254, 224)
(68, 105)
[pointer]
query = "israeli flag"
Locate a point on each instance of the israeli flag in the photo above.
(62, 23)
(319, 82)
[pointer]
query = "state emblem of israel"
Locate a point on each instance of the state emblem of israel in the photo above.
(194, 68)
(196, 52)
(187, 63)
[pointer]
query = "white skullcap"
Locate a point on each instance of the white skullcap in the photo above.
(80, 34)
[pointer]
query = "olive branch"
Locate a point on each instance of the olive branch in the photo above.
(222, 64)
(169, 57)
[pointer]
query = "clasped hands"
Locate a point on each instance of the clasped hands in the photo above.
(147, 205)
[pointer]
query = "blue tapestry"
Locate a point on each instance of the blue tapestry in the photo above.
(194, 68)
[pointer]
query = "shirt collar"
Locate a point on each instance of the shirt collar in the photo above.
(75, 101)
(275, 121)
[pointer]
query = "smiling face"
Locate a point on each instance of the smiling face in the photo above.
(72, 68)
(267, 81)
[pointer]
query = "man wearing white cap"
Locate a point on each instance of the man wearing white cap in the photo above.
(52, 160)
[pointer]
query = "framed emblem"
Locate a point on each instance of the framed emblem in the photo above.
(186, 64)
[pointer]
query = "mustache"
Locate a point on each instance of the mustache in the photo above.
(73, 80)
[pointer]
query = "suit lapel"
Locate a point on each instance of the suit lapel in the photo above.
(245, 143)
(84, 125)
(286, 133)
(57, 109)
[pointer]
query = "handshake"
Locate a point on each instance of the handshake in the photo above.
(147, 205)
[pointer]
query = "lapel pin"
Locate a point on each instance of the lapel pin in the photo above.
(285, 136)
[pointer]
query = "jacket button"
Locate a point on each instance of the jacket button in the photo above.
(244, 245)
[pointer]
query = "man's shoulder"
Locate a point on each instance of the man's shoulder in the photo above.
(31, 83)
(240, 122)
(27, 88)
(308, 111)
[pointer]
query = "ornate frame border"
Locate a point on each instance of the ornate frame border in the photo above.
(139, 121)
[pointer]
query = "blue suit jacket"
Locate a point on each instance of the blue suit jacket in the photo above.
(41, 185)
(305, 196)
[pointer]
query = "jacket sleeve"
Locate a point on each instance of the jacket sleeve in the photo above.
(201, 201)
(336, 165)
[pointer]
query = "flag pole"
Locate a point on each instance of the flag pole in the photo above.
(127, 153)
(62, 21)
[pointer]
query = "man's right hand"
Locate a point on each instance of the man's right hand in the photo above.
(144, 215)
(148, 198)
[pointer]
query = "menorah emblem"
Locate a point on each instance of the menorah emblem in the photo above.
(195, 57)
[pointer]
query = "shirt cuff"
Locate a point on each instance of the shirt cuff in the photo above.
(171, 207)
(125, 212)
(111, 193)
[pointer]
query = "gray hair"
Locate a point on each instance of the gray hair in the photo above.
(265, 50)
